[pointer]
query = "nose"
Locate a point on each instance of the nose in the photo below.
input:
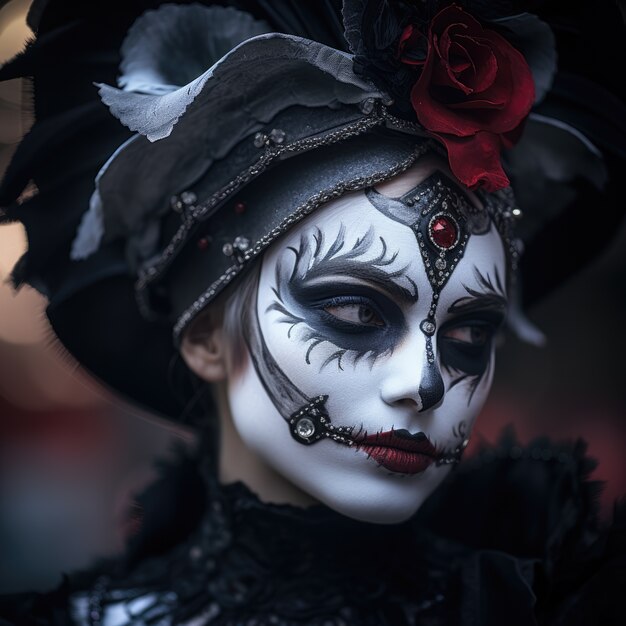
(414, 381)
(431, 388)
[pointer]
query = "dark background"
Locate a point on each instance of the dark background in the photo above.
(72, 456)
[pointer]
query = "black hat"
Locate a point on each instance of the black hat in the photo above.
(131, 235)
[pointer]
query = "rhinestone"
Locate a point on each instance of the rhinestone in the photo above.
(259, 140)
(228, 249)
(277, 136)
(428, 327)
(203, 243)
(305, 427)
(188, 197)
(176, 204)
(241, 243)
(240, 207)
(440, 264)
(443, 232)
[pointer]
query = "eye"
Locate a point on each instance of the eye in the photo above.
(471, 334)
(358, 314)
(466, 345)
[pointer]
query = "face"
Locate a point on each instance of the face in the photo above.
(371, 344)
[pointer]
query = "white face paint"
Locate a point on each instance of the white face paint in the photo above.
(341, 303)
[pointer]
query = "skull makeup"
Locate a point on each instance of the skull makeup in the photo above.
(371, 343)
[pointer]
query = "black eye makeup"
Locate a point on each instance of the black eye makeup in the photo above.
(341, 299)
(354, 317)
(465, 342)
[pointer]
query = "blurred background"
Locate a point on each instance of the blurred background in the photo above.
(72, 456)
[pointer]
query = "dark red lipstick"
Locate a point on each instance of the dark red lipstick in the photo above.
(400, 451)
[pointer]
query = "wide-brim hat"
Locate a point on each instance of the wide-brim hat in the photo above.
(131, 235)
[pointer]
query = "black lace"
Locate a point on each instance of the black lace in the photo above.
(257, 563)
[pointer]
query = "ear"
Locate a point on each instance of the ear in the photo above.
(203, 348)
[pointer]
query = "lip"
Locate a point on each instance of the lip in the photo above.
(400, 451)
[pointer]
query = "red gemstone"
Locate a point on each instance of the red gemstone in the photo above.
(203, 243)
(443, 232)
(240, 207)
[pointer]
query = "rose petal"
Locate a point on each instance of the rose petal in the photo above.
(506, 102)
(479, 103)
(475, 161)
(484, 64)
(475, 89)
(460, 58)
(410, 41)
(454, 15)
(513, 65)
(445, 74)
(450, 34)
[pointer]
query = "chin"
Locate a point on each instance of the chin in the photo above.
(383, 499)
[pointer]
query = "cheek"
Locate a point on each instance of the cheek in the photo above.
(466, 396)
(312, 361)
(319, 367)
(254, 415)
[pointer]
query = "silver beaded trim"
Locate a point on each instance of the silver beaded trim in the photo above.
(311, 423)
(272, 153)
(300, 212)
(404, 125)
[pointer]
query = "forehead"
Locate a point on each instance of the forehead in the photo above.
(341, 224)
(349, 219)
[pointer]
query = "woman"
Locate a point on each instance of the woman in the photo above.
(326, 240)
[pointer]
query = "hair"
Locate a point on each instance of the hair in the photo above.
(236, 304)
(228, 310)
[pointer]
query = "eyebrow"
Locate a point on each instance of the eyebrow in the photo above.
(491, 295)
(478, 302)
(342, 261)
(375, 276)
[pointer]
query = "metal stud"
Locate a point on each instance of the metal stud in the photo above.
(260, 139)
(241, 243)
(428, 327)
(188, 198)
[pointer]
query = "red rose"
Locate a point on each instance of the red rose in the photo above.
(473, 94)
